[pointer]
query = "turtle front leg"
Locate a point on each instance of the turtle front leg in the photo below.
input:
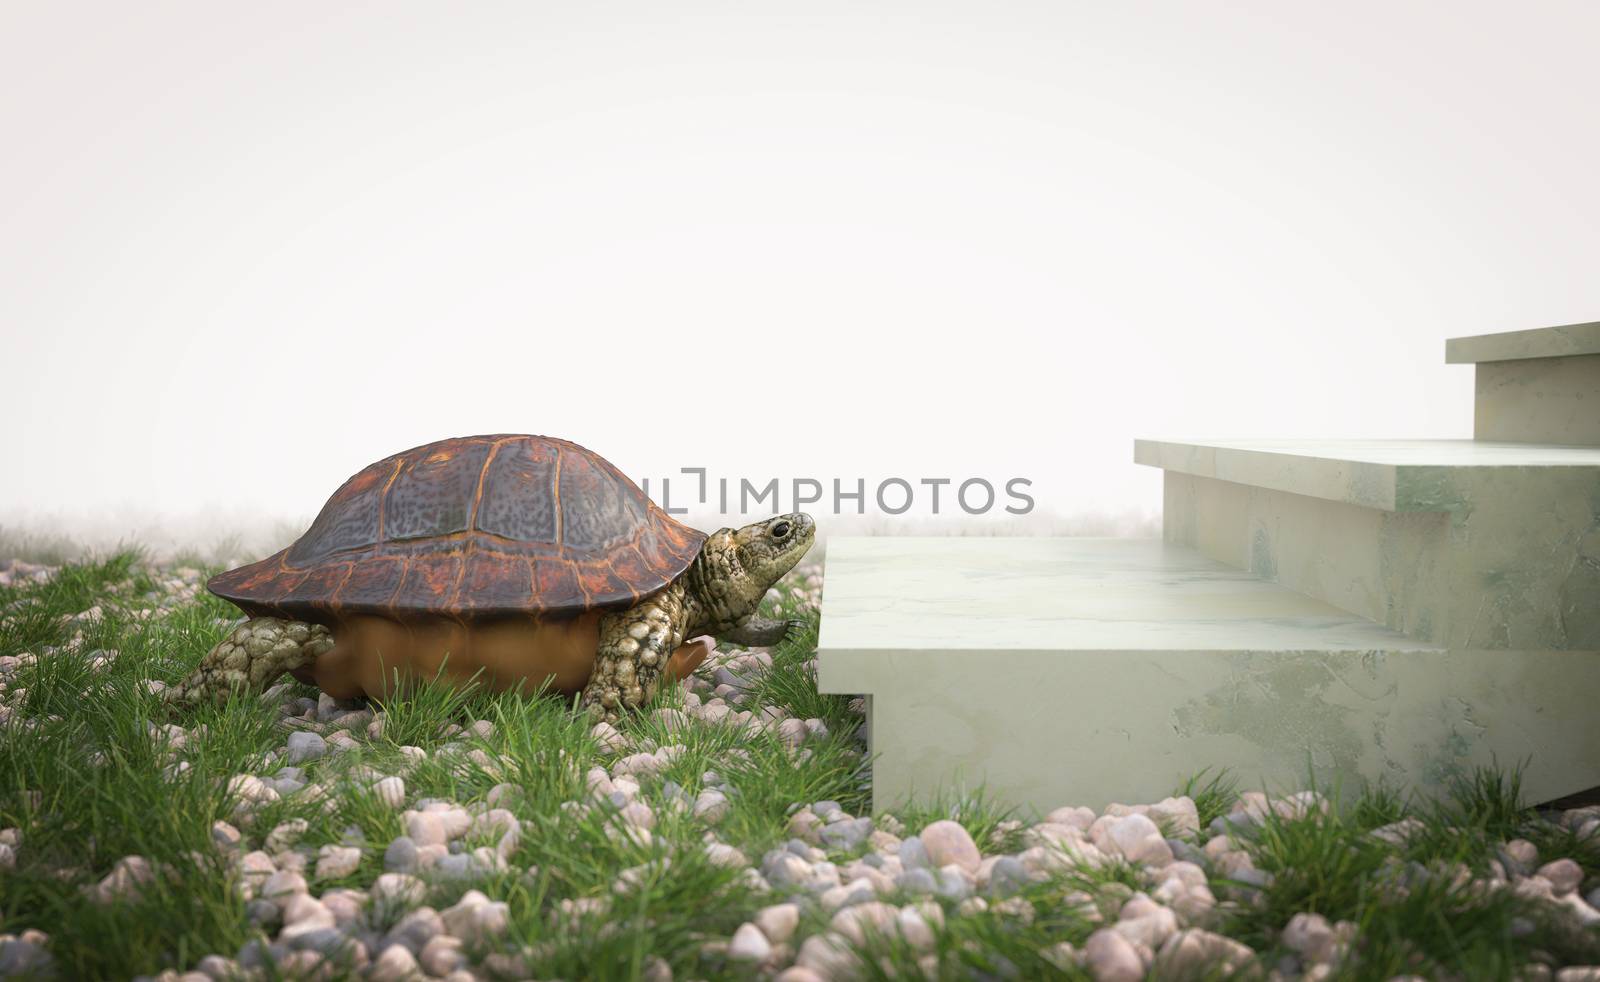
(634, 647)
(250, 658)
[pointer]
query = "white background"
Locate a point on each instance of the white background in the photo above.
(248, 248)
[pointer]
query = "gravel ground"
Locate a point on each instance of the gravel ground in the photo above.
(843, 895)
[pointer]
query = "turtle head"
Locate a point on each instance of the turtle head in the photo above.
(736, 567)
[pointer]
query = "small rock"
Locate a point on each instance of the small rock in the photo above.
(224, 835)
(337, 862)
(398, 888)
(778, 922)
(913, 854)
(870, 917)
(391, 791)
(426, 828)
(442, 955)
(475, 918)
(1143, 921)
(710, 806)
(401, 856)
(1110, 957)
(285, 835)
(792, 732)
(1007, 876)
(416, 929)
(126, 881)
(949, 843)
(305, 745)
(847, 835)
(749, 944)
(726, 856)
(396, 963)
(828, 955)
(1519, 856)
(1564, 875)
(917, 881)
(1195, 954)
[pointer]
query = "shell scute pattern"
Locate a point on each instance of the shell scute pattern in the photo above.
(475, 525)
(516, 502)
(595, 512)
(348, 521)
(434, 493)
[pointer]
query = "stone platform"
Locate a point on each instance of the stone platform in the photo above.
(1082, 671)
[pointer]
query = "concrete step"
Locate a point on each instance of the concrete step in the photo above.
(1081, 671)
(1461, 543)
(1539, 386)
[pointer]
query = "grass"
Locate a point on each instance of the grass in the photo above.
(86, 784)
(1415, 911)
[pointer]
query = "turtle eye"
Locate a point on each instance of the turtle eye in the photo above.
(780, 530)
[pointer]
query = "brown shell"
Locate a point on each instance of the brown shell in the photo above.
(474, 526)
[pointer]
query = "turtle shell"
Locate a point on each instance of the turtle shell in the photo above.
(474, 526)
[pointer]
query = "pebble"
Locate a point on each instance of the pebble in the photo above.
(442, 955)
(778, 922)
(1563, 874)
(285, 835)
(398, 888)
(391, 791)
(711, 806)
(225, 836)
(1519, 856)
(833, 898)
(749, 944)
(918, 881)
(395, 963)
(857, 921)
(1143, 921)
(126, 881)
(1007, 876)
(475, 918)
(847, 835)
(1111, 957)
(337, 862)
(828, 955)
(726, 856)
(304, 745)
(952, 885)
(913, 854)
(949, 843)
(425, 828)
(401, 856)
(608, 738)
(415, 929)
(792, 732)
(1195, 953)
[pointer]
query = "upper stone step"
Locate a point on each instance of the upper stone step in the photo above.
(1540, 386)
(1456, 542)
(1541, 342)
(1393, 475)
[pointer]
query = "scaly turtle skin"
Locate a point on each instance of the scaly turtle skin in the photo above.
(517, 560)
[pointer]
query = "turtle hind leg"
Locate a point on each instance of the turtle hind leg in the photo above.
(250, 658)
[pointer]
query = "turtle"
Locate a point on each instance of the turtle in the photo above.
(512, 559)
